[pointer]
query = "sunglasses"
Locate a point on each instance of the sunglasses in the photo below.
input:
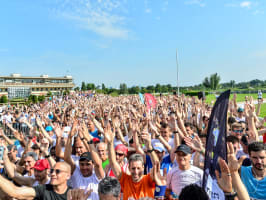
(119, 154)
(57, 171)
(238, 131)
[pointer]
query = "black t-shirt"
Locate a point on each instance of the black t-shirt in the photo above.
(46, 192)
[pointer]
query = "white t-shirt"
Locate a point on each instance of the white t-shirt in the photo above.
(36, 183)
(177, 179)
(91, 182)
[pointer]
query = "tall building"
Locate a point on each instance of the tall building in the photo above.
(17, 86)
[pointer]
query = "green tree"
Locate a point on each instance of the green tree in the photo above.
(34, 99)
(150, 88)
(212, 82)
(83, 86)
(41, 98)
(123, 88)
(49, 94)
(158, 88)
(76, 89)
(232, 83)
(206, 83)
(3, 99)
(90, 86)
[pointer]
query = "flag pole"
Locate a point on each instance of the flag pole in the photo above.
(177, 81)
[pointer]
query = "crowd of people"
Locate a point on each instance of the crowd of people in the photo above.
(83, 146)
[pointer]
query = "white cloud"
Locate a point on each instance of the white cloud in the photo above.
(101, 17)
(245, 4)
(158, 18)
(195, 2)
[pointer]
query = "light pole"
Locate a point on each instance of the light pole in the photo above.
(177, 74)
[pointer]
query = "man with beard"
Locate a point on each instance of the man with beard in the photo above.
(253, 176)
(57, 189)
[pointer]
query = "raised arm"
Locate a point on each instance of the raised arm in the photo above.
(68, 148)
(43, 131)
(94, 154)
(109, 136)
(234, 166)
(16, 192)
(58, 148)
(5, 137)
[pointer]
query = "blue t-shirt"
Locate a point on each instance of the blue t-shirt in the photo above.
(95, 134)
(166, 163)
(256, 188)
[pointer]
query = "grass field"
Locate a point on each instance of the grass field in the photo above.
(240, 97)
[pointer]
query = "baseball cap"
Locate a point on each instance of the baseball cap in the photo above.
(240, 109)
(96, 140)
(85, 156)
(121, 147)
(158, 146)
(41, 165)
(48, 128)
(184, 148)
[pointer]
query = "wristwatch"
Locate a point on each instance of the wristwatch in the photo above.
(90, 142)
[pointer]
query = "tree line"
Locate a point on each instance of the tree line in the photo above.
(208, 84)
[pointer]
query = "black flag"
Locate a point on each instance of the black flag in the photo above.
(215, 145)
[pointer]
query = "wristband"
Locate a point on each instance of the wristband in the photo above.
(230, 196)
(90, 142)
(159, 191)
(157, 136)
(82, 138)
(47, 156)
(175, 132)
(151, 150)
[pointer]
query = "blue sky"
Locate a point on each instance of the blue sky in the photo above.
(134, 41)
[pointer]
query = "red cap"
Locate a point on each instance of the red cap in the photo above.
(122, 147)
(95, 140)
(41, 165)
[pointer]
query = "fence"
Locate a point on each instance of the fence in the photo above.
(20, 127)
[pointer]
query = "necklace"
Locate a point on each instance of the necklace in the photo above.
(253, 172)
(256, 176)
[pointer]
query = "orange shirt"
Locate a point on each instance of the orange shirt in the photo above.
(144, 188)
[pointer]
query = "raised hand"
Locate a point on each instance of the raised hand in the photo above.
(194, 143)
(225, 181)
(78, 194)
(58, 131)
(233, 163)
(109, 134)
(156, 174)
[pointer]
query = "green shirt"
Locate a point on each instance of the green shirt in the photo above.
(105, 163)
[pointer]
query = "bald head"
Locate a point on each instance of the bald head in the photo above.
(63, 165)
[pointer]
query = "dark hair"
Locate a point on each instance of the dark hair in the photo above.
(109, 185)
(31, 154)
(194, 192)
(256, 146)
(164, 125)
(232, 138)
(231, 120)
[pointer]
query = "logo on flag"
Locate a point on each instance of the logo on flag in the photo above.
(215, 146)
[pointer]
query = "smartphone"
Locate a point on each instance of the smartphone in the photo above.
(1, 152)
